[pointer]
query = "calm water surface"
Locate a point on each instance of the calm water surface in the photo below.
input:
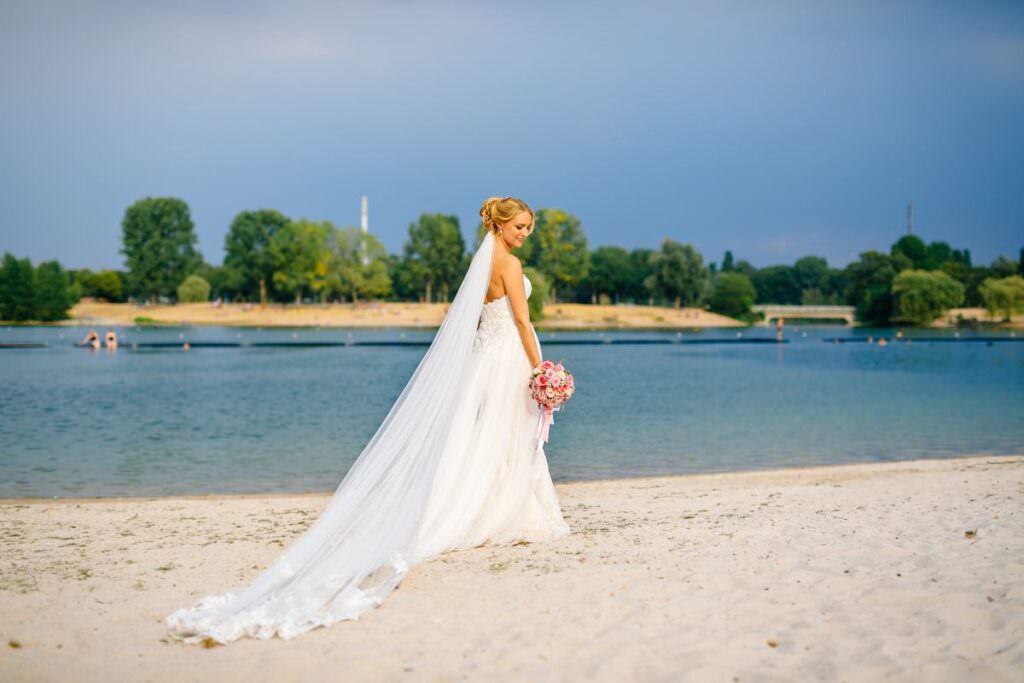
(74, 422)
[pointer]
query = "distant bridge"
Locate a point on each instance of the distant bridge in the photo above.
(774, 312)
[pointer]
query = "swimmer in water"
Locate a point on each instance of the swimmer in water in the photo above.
(91, 339)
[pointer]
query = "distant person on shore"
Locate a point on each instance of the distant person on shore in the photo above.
(91, 339)
(111, 339)
(778, 328)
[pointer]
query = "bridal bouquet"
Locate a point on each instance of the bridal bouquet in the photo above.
(551, 385)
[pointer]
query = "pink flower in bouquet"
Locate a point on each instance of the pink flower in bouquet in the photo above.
(551, 384)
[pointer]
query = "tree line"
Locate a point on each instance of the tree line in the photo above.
(269, 257)
(914, 283)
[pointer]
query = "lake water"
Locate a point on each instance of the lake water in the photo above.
(74, 422)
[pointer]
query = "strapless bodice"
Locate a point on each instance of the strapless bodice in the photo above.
(496, 320)
(491, 306)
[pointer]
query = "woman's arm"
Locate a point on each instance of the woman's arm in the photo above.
(512, 277)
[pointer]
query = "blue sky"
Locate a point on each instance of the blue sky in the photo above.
(775, 129)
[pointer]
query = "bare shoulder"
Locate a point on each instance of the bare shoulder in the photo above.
(508, 265)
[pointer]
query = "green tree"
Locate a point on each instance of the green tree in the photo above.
(434, 254)
(301, 257)
(679, 273)
(727, 264)
(743, 266)
(869, 286)
(777, 285)
(958, 271)
(914, 248)
(608, 273)
(1003, 267)
(85, 279)
(921, 296)
(158, 242)
(814, 297)
(406, 280)
(811, 273)
(974, 278)
(223, 281)
(732, 294)
(247, 253)
(357, 266)
(639, 275)
(1003, 295)
(193, 290)
(50, 290)
(559, 250)
(538, 292)
(836, 286)
(108, 286)
(17, 285)
(936, 255)
(962, 257)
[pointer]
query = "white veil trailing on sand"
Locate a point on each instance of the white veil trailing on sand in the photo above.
(361, 546)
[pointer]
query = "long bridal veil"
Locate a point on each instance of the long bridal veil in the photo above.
(362, 544)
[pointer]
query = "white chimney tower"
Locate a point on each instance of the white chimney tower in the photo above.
(365, 224)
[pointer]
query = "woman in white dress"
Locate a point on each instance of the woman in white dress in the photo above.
(458, 462)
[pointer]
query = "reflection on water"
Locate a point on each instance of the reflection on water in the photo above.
(76, 422)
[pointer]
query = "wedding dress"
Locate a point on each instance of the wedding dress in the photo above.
(456, 463)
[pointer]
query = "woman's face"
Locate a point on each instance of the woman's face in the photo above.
(514, 231)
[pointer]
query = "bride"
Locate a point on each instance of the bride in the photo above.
(457, 462)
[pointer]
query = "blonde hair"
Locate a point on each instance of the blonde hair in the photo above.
(501, 209)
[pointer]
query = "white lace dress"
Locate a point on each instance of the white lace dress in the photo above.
(455, 464)
(496, 488)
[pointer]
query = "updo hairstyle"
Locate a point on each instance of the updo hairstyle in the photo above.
(500, 209)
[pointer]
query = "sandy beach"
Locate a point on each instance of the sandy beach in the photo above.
(428, 316)
(388, 314)
(893, 571)
(976, 316)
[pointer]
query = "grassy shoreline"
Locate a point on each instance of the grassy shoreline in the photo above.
(557, 317)
(384, 314)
